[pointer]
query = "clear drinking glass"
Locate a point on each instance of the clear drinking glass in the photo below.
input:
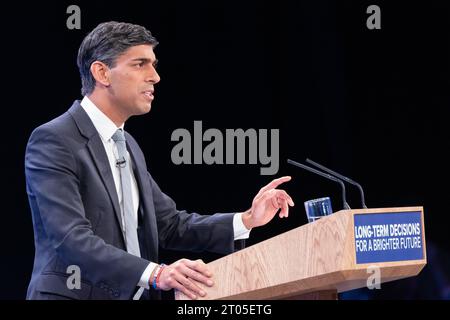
(318, 208)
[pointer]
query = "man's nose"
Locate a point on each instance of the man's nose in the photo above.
(153, 76)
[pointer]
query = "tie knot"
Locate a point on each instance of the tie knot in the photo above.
(118, 135)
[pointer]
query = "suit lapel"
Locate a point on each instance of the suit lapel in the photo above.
(98, 153)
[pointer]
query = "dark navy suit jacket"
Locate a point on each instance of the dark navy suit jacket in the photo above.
(76, 215)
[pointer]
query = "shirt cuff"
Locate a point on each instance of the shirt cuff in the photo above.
(240, 231)
(145, 278)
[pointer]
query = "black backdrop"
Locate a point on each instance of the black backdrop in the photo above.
(371, 104)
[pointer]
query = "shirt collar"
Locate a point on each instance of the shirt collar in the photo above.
(104, 125)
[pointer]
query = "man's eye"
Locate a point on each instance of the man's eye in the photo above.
(140, 65)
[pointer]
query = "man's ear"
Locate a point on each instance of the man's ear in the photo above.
(100, 72)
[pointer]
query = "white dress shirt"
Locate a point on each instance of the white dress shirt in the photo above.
(106, 128)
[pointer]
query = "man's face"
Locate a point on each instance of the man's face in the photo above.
(132, 80)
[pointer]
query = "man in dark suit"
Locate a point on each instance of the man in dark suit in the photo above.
(94, 204)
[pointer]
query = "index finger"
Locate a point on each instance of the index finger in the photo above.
(199, 266)
(273, 184)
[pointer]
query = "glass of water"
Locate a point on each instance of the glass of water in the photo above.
(318, 208)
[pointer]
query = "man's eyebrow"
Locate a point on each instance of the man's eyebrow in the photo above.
(146, 60)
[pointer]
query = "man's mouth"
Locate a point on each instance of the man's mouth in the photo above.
(149, 94)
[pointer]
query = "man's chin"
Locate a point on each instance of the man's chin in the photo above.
(145, 108)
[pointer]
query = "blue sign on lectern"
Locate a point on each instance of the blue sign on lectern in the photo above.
(384, 237)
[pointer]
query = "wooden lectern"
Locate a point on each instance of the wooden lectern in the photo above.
(320, 259)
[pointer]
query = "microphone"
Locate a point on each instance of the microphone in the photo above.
(325, 175)
(120, 163)
(340, 176)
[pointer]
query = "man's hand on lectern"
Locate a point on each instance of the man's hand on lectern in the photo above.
(177, 276)
(267, 203)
